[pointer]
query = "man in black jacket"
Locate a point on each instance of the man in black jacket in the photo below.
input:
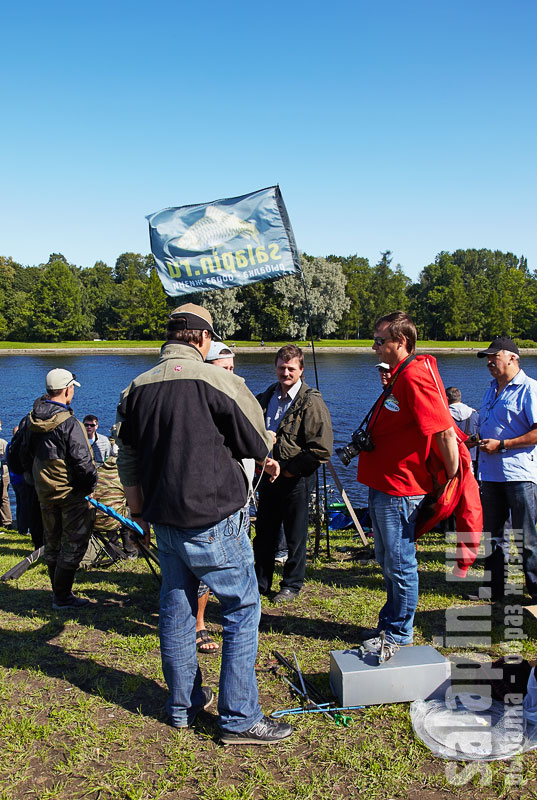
(183, 427)
(63, 472)
(300, 421)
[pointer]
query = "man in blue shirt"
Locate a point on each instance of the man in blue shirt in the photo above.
(508, 465)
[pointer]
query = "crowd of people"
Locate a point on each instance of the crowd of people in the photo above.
(191, 442)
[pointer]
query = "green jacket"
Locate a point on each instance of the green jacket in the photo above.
(304, 439)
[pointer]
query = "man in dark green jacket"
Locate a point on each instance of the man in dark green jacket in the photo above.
(63, 472)
(302, 429)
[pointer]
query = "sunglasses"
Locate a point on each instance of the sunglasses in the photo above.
(379, 340)
(90, 424)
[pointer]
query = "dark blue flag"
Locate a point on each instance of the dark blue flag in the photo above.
(230, 242)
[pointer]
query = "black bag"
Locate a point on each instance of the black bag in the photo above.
(18, 456)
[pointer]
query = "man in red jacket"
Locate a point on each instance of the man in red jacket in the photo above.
(410, 414)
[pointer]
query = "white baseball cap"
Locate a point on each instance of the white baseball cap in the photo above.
(219, 350)
(58, 379)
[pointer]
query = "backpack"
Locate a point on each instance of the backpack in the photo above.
(18, 456)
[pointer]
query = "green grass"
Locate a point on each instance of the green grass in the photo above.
(125, 343)
(82, 697)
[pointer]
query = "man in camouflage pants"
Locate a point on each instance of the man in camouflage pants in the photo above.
(110, 492)
(63, 472)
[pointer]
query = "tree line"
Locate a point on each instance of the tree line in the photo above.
(465, 295)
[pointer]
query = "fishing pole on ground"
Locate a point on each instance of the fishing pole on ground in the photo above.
(20, 568)
(149, 553)
(319, 706)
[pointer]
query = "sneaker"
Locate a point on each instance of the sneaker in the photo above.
(71, 602)
(281, 558)
(266, 731)
(482, 596)
(208, 698)
(380, 646)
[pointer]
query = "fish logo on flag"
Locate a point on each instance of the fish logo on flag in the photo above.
(230, 242)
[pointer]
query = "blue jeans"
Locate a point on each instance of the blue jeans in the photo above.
(221, 556)
(394, 520)
(499, 500)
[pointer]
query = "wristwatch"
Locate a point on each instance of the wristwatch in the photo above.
(502, 448)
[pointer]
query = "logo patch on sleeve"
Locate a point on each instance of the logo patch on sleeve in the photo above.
(177, 368)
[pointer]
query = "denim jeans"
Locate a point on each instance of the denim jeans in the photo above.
(221, 556)
(519, 499)
(394, 520)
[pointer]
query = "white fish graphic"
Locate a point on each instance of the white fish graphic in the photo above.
(213, 229)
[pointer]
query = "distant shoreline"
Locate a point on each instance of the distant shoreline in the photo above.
(136, 351)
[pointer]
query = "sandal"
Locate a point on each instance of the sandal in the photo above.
(203, 639)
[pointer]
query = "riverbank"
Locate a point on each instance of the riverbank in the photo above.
(153, 348)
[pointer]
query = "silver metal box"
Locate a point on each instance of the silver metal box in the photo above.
(412, 673)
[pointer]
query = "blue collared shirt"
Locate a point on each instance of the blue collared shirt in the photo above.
(510, 414)
(278, 405)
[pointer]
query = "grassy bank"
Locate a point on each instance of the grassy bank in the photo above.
(324, 343)
(82, 696)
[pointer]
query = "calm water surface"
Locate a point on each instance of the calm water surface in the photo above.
(349, 383)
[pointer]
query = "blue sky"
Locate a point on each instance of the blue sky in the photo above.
(408, 126)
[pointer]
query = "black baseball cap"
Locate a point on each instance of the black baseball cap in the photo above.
(500, 343)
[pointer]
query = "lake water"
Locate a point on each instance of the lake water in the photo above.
(349, 383)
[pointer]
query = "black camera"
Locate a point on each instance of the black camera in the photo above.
(360, 440)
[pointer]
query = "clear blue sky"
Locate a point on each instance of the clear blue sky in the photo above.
(408, 126)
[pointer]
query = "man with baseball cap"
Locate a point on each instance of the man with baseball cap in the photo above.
(220, 355)
(508, 466)
(58, 454)
(182, 428)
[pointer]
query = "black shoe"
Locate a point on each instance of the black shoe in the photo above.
(266, 731)
(208, 698)
(369, 633)
(285, 596)
(70, 603)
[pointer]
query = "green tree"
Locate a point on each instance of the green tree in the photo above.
(358, 319)
(132, 264)
(261, 315)
(156, 308)
(127, 306)
(388, 289)
(438, 300)
(56, 306)
(102, 294)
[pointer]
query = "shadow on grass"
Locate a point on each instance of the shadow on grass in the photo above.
(34, 650)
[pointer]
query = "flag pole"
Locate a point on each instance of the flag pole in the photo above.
(317, 501)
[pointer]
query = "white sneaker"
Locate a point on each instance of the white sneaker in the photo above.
(381, 646)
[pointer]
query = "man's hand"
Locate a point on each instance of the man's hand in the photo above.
(147, 533)
(489, 445)
(272, 468)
